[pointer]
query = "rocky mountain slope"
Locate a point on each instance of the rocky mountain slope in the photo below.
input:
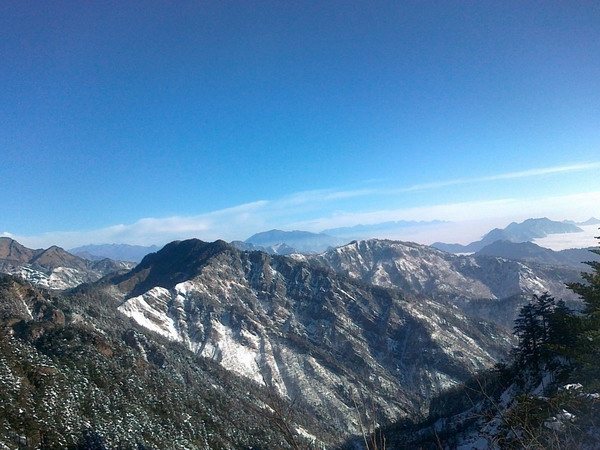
(54, 267)
(546, 396)
(75, 373)
(325, 341)
(490, 286)
(425, 270)
(249, 349)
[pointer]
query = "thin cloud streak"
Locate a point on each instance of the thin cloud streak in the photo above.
(327, 195)
(311, 211)
(502, 176)
(250, 218)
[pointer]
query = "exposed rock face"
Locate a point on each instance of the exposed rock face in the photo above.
(327, 340)
(463, 280)
(425, 270)
(53, 268)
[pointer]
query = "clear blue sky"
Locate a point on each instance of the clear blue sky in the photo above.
(160, 120)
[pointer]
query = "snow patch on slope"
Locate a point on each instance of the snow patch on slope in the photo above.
(150, 310)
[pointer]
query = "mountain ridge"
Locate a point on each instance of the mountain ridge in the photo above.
(302, 241)
(305, 329)
(118, 252)
(525, 231)
(54, 267)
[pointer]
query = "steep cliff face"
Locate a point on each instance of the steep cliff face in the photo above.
(326, 340)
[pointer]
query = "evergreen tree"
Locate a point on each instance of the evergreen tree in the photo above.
(562, 330)
(528, 330)
(546, 329)
(588, 342)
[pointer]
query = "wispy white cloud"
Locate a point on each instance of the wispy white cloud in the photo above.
(317, 210)
(505, 176)
(328, 195)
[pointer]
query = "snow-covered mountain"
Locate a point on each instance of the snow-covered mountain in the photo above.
(489, 286)
(426, 270)
(75, 373)
(326, 340)
(53, 267)
(368, 332)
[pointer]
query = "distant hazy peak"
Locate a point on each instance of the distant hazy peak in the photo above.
(120, 252)
(526, 231)
(302, 241)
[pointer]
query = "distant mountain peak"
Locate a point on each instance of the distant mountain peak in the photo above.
(118, 252)
(54, 267)
(302, 241)
(526, 231)
(590, 221)
(13, 251)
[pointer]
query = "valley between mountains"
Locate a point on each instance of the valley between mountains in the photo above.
(204, 345)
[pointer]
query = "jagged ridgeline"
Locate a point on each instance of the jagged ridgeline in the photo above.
(203, 345)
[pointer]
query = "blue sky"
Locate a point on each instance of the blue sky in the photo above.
(143, 122)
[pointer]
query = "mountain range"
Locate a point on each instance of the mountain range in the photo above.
(118, 252)
(368, 231)
(525, 231)
(53, 267)
(315, 346)
(312, 334)
(279, 242)
(484, 286)
(300, 241)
